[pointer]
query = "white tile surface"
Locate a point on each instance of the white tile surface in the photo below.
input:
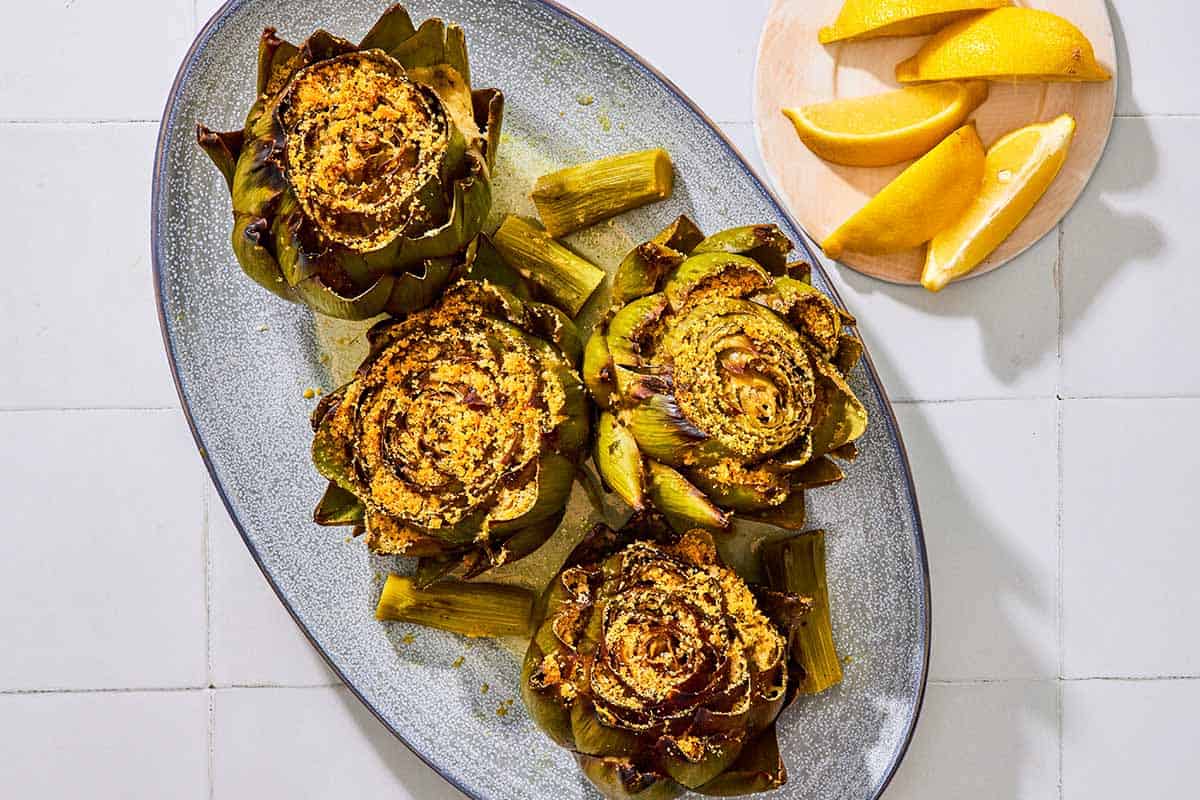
(1126, 739)
(992, 336)
(986, 473)
(1130, 547)
(708, 49)
(1130, 283)
(80, 326)
(996, 741)
(101, 560)
(127, 745)
(1159, 61)
(254, 640)
(81, 61)
(312, 743)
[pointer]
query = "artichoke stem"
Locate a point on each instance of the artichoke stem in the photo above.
(471, 609)
(567, 278)
(797, 565)
(583, 195)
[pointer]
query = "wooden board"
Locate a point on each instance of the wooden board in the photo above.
(794, 69)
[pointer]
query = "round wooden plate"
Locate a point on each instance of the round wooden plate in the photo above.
(794, 69)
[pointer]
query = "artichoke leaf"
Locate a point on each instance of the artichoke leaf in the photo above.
(434, 44)
(592, 737)
(817, 473)
(641, 271)
(790, 514)
(488, 108)
(759, 768)
(551, 716)
(598, 368)
(555, 476)
(412, 290)
(364, 305)
(838, 416)
(659, 426)
(552, 324)
(743, 489)
(621, 779)
(488, 265)
(684, 506)
(849, 351)
(273, 56)
(682, 235)
(766, 244)
(729, 274)
(249, 246)
(620, 461)
(223, 149)
(338, 507)
(392, 29)
(631, 325)
(718, 757)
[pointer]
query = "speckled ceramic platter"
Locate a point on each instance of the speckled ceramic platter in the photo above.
(243, 360)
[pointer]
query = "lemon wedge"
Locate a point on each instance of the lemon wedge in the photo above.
(1019, 169)
(1006, 44)
(886, 128)
(922, 200)
(870, 19)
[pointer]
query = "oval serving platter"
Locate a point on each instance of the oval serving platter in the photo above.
(242, 360)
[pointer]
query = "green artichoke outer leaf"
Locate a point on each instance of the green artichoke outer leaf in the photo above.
(684, 506)
(799, 271)
(847, 452)
(621, 779)
(323, 46)
(817, 473)
(552, 324)
(434, 44)
(550, 715)
(765, 244)
(725, 274)
(338, 507)
(249, 246)
(659, 426)
(555, 476)
(631, 325)
(331, 452)
(223, 148)
(742, 489)
(640, 272)
(391, 29)
(719, 756)
(620, 461)
(758, 768)
(592, 737)
(682, 235)
(795, 456)
(815, 316)
(839, 416)
(791, 514)
(488, 265)
(573, 432)
(273, 55)
(412, 291)
(849, 352)
(324, 300)
(488, 108)
(598, 368)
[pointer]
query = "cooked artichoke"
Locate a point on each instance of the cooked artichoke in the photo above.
(458, 439)
(660, 668)
(362, 172)
(724, 380)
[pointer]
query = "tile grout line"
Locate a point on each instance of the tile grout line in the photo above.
(172, 689)
(86, 409)
(1060, 566)
(206, 544)
(212, 743)
(107, 121)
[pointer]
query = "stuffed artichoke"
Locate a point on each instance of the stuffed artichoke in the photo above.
(458, 439)
(660, 668)
(723, 377)
(362, 171)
